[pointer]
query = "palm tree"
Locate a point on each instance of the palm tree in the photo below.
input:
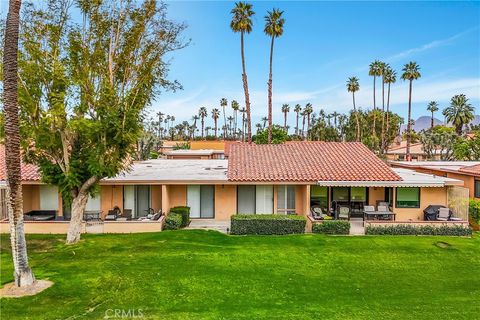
(274, 29)
(353, 86)
(411, 71)
(264, 120)
(172, 119)
(194, 126)
(242, 23)
(235, 106)
(160, 120)
(259, 127)
(202, 112)
(230, 126)
(22, 272)
(297, 110)
(223, 104)
(215, 115)
(375, 71)
(207, 130)
(459, 112)
(335, 114)
(303, 114)
(390, 77)
(285, 110)
(308, 111)
(383, 69)
(243, 111)
(432, 107)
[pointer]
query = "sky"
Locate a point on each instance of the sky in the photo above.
(323, 44)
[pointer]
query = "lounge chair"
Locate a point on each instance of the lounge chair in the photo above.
(383, 208)
(126, 215)
(443, 214)
(343, 212)
(152, 217)
(317, 213)
(368, 209)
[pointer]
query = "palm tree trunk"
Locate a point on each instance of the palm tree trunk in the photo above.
(303, 127)
(203, 125)
(245, 89)
(382, 143)
(22, 273)
(296, 128)
(243, 126)
(215, 120)
(431, 122)
(235, 126)
(356, 117)
(374, 133)
(285, 121)
(387, 116)
(270, 94)
(408, 157)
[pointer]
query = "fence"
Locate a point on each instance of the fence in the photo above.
(457, 200)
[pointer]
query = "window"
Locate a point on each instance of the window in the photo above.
(93, 203)
(48, 198)
(408, 198)
(340, 194)
(200, 199)
(137, 199)
(286, 199)
(254, 199)
(477, 188)
(358, 194)
(319, 197)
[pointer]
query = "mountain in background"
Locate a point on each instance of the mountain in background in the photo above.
(423, 123)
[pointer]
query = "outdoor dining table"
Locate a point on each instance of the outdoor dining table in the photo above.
(368, 214)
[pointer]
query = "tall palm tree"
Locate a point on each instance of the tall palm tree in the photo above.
(374, 71)
(303, 114)
(411, 71)
(285, 110)
(383, 70)
(297, 110)
(459, 112)
(235, 106)
(243, 111)
(259, 127)
(207, 130)
(335, 114)
(215, 115)
(172, 119)
(160, 120)
(353, 86)
(308, 111)
(390, 78)
(432, 107)
(223, 104)
(22, 272)
(202, 112)
(230, 125)
(274, 29)
(264, 120)
(242, 23)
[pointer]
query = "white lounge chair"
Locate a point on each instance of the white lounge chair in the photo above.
(343, 212)
(443, 214)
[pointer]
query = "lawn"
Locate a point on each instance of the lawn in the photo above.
(207, 275)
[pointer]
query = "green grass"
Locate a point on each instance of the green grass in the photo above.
(208, 275)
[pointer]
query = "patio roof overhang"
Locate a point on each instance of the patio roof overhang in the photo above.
(380, 184)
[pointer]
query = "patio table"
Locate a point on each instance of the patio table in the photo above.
(91, 215)
(368, 214)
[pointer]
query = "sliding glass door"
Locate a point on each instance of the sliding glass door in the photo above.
(137, 199)
(201, 200)
(253, 199)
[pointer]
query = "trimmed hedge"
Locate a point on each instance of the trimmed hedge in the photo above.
(474, 210)
(184, 212)
(332, 227)
(267, 224)
(405, 229)
(173, 221)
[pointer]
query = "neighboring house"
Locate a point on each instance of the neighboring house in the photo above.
(203, 154)
(259, 179)
(398, 150)
(467, 171)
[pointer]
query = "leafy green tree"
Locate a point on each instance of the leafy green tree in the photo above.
(84, 87)
(274, 29)
(411, 71)
(439, 141)
(432, 107)
(353, 86)
(468, 148)
(242, 23)
(460, 112)
(21, 269)
(278, 135)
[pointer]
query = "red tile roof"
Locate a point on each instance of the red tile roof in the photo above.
(475, 169)
(307, 162)
(30, 172)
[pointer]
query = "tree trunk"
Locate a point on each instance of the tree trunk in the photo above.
(270, 94)
(285, 121)
(303, 127)
(408, 157)
(356, 117)
(374, 131)
(431, 122)
(296, 128)
(245, 89)
(224, 124)
(388, 117)
(382, 143)
(22, 273)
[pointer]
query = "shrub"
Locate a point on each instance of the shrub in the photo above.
(405, 229)
(332, 227)
(173, 221)
(267, 224)
(184, 212)
(474, 210)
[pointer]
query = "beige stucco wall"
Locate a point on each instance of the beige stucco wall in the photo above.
(302, 199)
(132, 226)
(177, 195)
(31, 197)
(111, 196)
(156, 197)
(225, 201)
(468, 182)
(47, 227)
(428, 196)
(375, 194)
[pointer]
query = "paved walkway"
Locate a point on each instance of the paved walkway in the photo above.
(356, 226)
(209, 224)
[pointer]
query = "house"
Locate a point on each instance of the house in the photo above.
(398, 151)
(202, 154)
(466, 171)
(262, 179)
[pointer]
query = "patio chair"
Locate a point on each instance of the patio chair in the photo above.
(368, 209)
(126, 215)
(317, 212)
(443, 214)
(343, 212)
(382, 208)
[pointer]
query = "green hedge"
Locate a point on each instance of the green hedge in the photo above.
(184, 212)
(267, 224)
(332, 227)
(405, 229)
(173, 221)
(474, 210)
